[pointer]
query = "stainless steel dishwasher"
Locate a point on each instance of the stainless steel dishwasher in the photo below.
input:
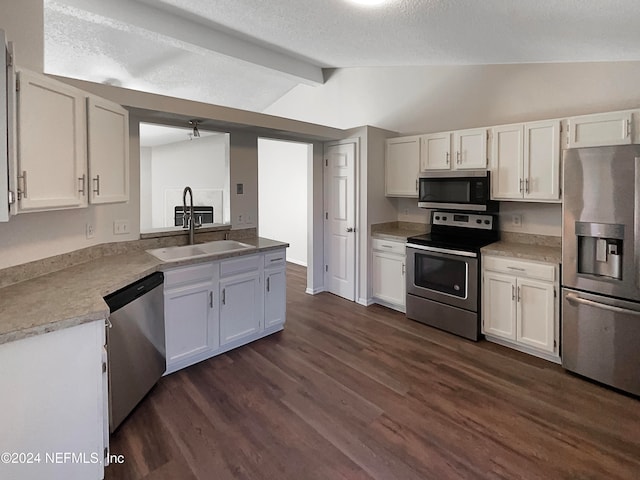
(135, 344)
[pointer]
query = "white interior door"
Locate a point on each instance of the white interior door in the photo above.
(340, 220)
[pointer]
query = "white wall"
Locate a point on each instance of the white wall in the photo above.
(538, 218)
(201, 163)
(282, 195)
(23, 23)
(440, 98)
(146, 172)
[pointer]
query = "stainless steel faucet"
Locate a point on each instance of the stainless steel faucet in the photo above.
(187, 215)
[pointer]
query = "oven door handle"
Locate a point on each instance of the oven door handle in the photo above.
(442, 250)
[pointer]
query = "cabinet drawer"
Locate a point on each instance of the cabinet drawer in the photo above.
(275, 259)
(240, 265)
(388, 246)
(542, 271)
(194, 273)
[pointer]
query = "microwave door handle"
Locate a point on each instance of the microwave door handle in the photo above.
(575, 299)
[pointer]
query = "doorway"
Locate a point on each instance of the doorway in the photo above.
(283, 179)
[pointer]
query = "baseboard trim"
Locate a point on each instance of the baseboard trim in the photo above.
(314, 291)
(365, 301)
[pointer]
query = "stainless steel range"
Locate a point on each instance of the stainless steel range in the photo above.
(443, 271)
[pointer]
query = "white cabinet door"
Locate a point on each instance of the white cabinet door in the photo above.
(52, 148)
(108, 151)
(470, 148)
(275, 297)
(241, 307)
(542, 160)
(402, 166)
(499, 305)
(190, 326)
(536, 314)
(507, 180)
(613, 128)
(53, 403)
(435, 151)
(388, 283)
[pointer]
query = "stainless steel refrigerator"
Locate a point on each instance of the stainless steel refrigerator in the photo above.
(601, 265)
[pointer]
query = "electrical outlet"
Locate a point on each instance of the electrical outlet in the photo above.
(516, 220)
(249, 219)
(121, 227)
(90, 232)
(240, 218)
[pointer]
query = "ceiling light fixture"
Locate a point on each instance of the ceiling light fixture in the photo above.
(369, 3)
(194, 123)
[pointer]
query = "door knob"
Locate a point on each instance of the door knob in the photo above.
(349, 229)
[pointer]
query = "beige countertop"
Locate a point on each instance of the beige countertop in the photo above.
(541, 253)
(74, 295)
(398, 231)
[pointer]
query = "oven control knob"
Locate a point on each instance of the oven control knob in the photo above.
(487, 222)
(444, 218)
(478, 221)
(437, 217)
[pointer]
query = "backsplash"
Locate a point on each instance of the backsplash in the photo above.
(26, 271)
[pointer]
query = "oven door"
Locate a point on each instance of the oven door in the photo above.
(442, 275)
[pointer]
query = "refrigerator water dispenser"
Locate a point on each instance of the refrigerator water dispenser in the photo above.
(600, 249)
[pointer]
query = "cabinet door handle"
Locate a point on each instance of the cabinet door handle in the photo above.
(520, 189)
(447, 160)
(268, 284)
(518, 292)
(526, 187)
(516, 268)
(458, 161)
(224, 296)
(97, 189)
(513, 292)
(628, 122)
(416, 184)
(82, 180)
(211, 299)
(276, 259)
(403, 269)
(22, 193)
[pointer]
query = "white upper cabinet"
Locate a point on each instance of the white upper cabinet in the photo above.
(614, 128)
(470, 149)
(402, 164)
(108, 141)
(51, 145)
(542, 160)
(525, 162)
(72, 148)
(435, 151)
(507, 162)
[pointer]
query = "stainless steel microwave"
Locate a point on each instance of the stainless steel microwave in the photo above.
(455, 190)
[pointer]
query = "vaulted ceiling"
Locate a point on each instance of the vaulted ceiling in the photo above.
(249, 53)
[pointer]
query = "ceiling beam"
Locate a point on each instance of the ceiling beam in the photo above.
(157, 24)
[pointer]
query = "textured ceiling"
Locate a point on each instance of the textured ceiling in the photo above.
(248, 53)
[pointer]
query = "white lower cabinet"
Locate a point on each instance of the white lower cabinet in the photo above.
(520, 306)
(275, 289)
(213, 307)
(388, 273)
(54, 405)
(240, 307)
(189, 315)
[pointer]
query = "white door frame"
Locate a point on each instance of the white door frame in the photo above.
(356, 200)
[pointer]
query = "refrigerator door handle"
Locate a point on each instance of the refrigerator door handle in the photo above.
(575, 299)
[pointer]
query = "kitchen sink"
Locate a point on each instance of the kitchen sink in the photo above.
(185, 252)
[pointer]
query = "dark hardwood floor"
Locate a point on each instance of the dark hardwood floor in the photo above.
(348, 392)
